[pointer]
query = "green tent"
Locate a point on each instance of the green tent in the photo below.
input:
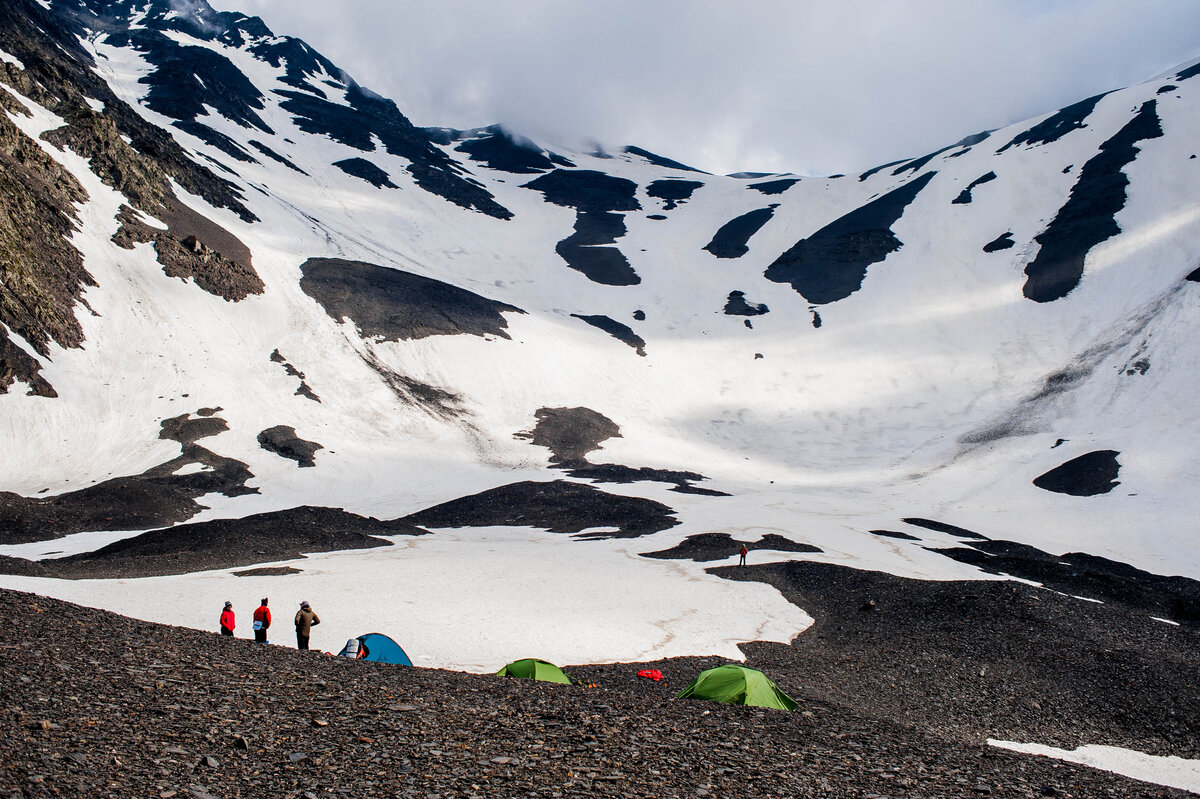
(737, 685)
(533, 669)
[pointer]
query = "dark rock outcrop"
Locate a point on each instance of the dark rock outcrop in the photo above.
(283, 441)
(558, 506)
(395, 305)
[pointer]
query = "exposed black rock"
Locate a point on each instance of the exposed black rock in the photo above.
(1137, 367)
(1002, 242)
(1057, 125)
(274, 156)
(1088, 216)
(587, 190)
(1170, 87)
(395, 306)
(584, 250)
(775, 186)
(831, 264)
(736, 305)
(187, 78)
(595, 196)
(879, 168)
(227, 543)
(570, 433)
(917, 164)
(155, 498)
(498, 149)
(659, 160)
(997, 659)
(186, 430)
(18, 365)
(707, 547)
(731, 238)
(59, 74)
(1194, 275)
(656, 217)
(1086, 476)
(232, 278)
(965, 195)
(894, 534)
(816, 319)
(364, 169)
(1190, 72)
(672, 191)
(217, 139)
(616, 473)
(558, 507)
(268, 571)
(42, 275)
(305, 390)
(368, 114)
(617, 330)
(639, 315)
(283, 441)
(1082, 575)
(942, 527)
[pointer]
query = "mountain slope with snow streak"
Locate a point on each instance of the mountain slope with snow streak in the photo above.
(435, 311)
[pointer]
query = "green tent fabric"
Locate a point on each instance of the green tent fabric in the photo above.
(533, 669)
(737, 685)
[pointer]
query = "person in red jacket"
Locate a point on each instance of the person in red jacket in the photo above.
(227, 619)
(262, 620)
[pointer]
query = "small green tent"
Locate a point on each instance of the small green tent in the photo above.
(737, 685)
(533, 669)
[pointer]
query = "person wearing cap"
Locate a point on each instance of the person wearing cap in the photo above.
(262, 620)
(305, 621)
(227, 621)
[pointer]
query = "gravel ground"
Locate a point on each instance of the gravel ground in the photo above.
(94, 704)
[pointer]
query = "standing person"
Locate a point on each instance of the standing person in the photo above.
(305, 621)
(742, 553)
(227, 621)
(262, 620)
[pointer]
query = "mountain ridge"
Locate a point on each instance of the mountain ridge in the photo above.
(435, 292)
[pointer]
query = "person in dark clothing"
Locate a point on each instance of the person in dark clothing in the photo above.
(305, 621)
(262, 621)
(742, 553)
(227, 621)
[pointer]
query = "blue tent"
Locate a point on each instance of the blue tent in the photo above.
(380, 648)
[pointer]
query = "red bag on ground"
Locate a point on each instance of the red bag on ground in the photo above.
(651, 674)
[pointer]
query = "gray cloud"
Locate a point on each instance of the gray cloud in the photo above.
(768, 85)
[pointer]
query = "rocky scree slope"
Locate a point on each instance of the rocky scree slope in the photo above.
(93, 704)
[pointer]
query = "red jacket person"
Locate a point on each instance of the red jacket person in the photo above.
(227, 619)
(262, 621)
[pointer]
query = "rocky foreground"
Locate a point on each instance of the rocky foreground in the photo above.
(95, 704)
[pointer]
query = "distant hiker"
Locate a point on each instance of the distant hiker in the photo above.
(227, 619)
(262, 621)
(742, 553)
(305, 621)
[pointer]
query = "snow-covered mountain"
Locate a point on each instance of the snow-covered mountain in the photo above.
(237, 283)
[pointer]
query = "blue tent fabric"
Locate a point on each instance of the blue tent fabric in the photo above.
(381, 649)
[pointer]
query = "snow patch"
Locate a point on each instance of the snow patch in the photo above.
(1174, 772)
(9, 58)
(531, 594)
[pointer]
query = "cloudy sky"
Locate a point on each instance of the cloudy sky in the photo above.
(807, 86)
